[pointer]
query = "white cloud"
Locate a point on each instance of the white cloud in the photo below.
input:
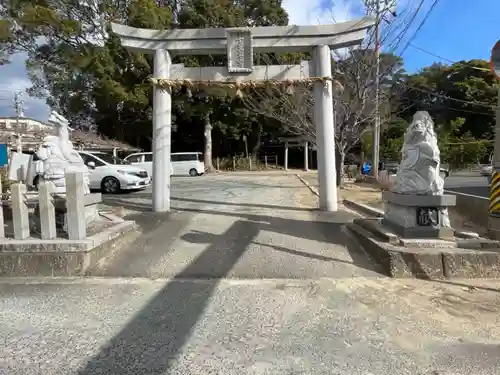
(324, 12)
(315, 12)
(13, 78)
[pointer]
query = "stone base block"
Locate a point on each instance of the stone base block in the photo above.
(419, 216)
(420, 232)
(410, 200)
(61, 257)
(426, 259)
(397, 261)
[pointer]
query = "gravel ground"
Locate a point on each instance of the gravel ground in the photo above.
(348, 326)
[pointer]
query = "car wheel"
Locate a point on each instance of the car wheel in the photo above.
(110, 185)
(193, 172)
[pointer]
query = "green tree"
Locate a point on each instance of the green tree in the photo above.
(354, 96)
(225, 13)
(392, 139)
(466, 89)
(106, 84)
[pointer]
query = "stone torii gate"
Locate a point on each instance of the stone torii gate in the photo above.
(291, 142)
(240, 44)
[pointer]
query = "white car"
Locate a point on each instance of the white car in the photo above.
(486, 170)
(182, 163)
(144, 160)
(112, 175)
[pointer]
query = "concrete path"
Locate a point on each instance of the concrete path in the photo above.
(349, 326)
(246, 226)
(205, 308)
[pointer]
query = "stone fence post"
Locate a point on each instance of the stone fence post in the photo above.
(47, 211)
(75, 206)
(20, 214)
(2, 229)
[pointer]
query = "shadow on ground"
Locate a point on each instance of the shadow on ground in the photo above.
(160, 230)
(151, 341)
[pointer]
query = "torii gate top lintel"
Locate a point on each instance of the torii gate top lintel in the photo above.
(264, 39)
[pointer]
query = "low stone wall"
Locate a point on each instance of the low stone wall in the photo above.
(61, 257)
(52, 235)
(472, 207)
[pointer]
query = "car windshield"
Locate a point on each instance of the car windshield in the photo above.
(108, 158)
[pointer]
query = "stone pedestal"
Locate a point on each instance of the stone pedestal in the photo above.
(418, 216)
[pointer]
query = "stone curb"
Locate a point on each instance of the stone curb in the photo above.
(62, 257)
(471, 262)
(312, 188)
(399, 262)
(363, 208)
(111, 217)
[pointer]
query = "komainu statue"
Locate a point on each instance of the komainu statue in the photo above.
(59, 157)
(420, 164)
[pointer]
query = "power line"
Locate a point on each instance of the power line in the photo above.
(426, 17)
(477, 104)
(432, 54)
(395, 44)
(448, 60)
(467, 111)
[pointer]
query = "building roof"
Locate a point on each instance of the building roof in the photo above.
(80, 139)
(23, 119)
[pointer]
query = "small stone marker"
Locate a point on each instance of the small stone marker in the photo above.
(20, 212)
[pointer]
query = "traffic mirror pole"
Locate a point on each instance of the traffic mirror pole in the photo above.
(494, 206)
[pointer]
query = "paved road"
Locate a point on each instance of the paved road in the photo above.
(249, 226)
(475, 185)
(243, 278)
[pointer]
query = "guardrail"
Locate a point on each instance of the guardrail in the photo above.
(472, 207)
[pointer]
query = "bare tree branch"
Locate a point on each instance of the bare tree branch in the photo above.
(354, 96)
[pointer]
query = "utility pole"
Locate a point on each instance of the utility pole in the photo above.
(376, 127)
(379, 12)
(18, 107)
(494, 208)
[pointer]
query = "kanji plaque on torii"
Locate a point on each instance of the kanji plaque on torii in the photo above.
(239, 50)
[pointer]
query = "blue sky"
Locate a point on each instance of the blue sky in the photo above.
(456, 30)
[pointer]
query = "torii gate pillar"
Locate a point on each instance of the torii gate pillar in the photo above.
(162, 130)
(325, 130)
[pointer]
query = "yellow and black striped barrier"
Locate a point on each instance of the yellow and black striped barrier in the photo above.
(495, 194)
